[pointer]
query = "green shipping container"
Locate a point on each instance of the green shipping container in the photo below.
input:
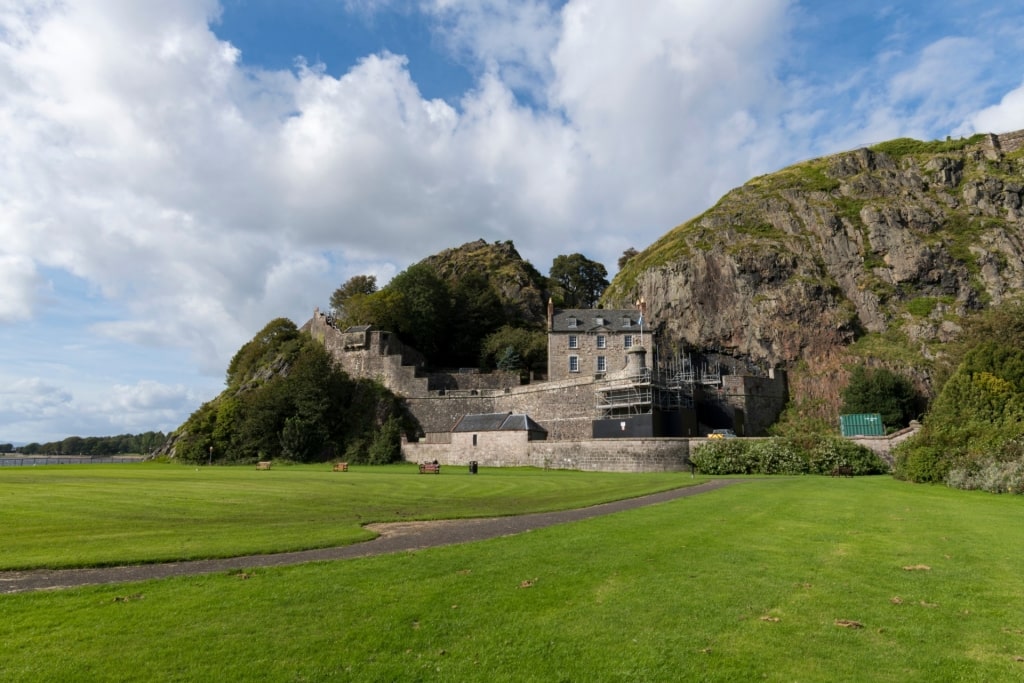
(862, 424)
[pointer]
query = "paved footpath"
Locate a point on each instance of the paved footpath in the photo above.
(394, 537)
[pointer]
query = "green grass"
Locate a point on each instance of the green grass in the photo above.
(83, 515)
(746, 583)
(904, 146)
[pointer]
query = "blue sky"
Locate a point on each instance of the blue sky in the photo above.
(174, 175)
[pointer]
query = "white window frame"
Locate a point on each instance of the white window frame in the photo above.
(574, 341)
(574, 363)
(602, 341)
(602, 364)
(627, 341)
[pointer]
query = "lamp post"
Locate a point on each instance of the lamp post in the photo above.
(210, 461)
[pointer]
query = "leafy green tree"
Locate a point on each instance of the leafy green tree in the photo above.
(881, 391)
(277, 336)
(578, 281)
(356, 286)
(977, 418)
(302, 439)
(292, 402)
(531, 346)
(627, 255)
(510, 360)
(6, 448)
(386, 446)
(477, 311)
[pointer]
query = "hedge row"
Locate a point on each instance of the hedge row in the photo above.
(784, 456)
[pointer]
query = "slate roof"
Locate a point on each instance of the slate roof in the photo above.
(497, 422)
(596, 320)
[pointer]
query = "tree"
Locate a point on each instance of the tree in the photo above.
(355, 286)
(530, 346)
(626, 256)
(419, 309)
(577, 280)
(477, 311)
(881, 391)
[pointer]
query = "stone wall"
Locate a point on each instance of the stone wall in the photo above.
(565, 408)
(883, 445)
(598, 455)
(378, 355)
(1006, 143)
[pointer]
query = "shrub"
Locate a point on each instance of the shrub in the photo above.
(992, 476)
(724, 456)
(832, 452)
(921, 462)
(778, 456)
(386, 446)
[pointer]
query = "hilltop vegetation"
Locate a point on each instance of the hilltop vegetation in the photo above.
(286, 398)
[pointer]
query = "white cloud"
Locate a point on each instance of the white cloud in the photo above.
(19, 284)
(31, 397)
(1004, 117)
(204, 196)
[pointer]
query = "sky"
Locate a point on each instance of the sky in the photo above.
(174, 175)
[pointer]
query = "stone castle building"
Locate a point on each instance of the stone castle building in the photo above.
(605, 405)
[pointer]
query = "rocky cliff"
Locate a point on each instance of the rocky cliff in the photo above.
(871, 255)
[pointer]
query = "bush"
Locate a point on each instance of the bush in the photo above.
(784, 456)
(778, 456)
(920, 462)
(992, 476)
(386, 446)
(724, 456)
(833, 452)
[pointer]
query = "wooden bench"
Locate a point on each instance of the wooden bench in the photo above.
(430, 468)
(341, 467)
(263, 465)
(842, 471)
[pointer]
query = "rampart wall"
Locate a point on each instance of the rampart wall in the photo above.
(599, 455)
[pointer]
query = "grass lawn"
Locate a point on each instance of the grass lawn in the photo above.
(59, 516)
(802, 579)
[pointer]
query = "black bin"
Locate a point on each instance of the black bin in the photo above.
(472, 466)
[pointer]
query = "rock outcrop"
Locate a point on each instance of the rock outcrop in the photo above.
(875, 252)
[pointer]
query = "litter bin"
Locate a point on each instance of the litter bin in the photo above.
(472, 466)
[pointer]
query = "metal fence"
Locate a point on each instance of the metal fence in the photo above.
(33, 460)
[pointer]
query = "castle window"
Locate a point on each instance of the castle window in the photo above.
(602, 341)
(474, 439)
(574, 341)
(627, 341)
(599, 321)
(627, 322)
(574, 363)
(572, 322)
(601, 364)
